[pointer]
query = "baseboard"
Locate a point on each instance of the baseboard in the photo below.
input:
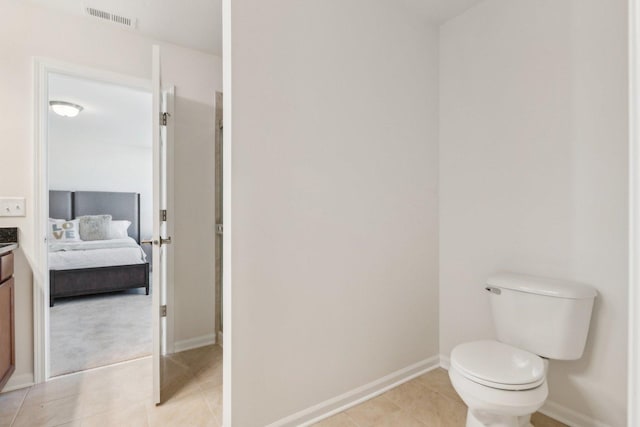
(19, 381)
(351, 398)
(569, 416)
(551, 409)
(220, 338)
(192, 343)
(445, 362)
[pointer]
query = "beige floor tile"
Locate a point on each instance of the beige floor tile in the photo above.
(172, 369)
(50, 413)
(128, 416)
(113, 398)
(128, 373)
(418, 401)
(199, 358)
(55, 389)
(177, 379)
(190, 410)
(424, 407)
(339, 420)
(211, 373)
(192, 389)
(541, 420)
(404, 394)
(212, 393)
(438, 381)
(451, 412)
(372, 411)
(74, 423)
(10, 403)
(6, 417)
(179, 387)
(98, 397)
(400, 418)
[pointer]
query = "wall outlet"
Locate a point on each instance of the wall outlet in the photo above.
(12, 206)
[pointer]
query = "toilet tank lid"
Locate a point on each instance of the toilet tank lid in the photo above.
(557, 288)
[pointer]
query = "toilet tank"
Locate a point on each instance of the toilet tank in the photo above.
(548, 317)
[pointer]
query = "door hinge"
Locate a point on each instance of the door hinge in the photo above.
(219, 228)
(163, 215)
(163, 311)
(163, 118)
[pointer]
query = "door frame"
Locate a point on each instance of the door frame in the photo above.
(227, 288)
(42, 67)
(633, 386)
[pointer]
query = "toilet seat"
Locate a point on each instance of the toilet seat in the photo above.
(505, 403)
(498, 365)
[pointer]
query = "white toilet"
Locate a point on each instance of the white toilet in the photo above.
(503, 382)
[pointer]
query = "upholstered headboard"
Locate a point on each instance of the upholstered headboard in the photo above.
(60, 204)
(121, 206)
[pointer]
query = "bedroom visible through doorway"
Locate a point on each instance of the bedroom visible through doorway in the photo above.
(100, 212)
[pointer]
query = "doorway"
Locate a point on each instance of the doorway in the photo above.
(125, 209)
(219, 215)
(99, 212)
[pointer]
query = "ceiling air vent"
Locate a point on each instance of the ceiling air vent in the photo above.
(111, 17)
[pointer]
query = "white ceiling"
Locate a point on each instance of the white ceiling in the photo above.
(194, 23)
(112, 114)
(198, 23)
(439, 11)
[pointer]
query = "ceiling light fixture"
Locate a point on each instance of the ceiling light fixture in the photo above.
(65, 109)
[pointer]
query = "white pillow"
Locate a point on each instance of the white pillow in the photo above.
(61, 230)
(119, 229)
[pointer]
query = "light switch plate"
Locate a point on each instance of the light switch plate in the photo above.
(12, 206)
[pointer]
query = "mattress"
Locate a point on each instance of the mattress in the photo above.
(96, 253)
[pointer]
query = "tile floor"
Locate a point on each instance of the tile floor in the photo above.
(428, 400)
(120, 395)
(192, 389)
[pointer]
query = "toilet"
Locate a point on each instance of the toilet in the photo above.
(536, 319)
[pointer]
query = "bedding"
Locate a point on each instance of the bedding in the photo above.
(119, 229)
(103, 262)
(95, 253)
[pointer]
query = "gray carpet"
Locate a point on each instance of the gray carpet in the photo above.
(98, 330)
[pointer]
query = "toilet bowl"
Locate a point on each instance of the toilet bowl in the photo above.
(500, 384)
(503, 381)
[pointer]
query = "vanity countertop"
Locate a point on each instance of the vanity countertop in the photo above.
(7, 247)
(8, 239)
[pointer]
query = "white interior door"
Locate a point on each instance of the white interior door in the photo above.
(160, 241)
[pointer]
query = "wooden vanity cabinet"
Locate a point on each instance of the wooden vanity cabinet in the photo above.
(7, 319)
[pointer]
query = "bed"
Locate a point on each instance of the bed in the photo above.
(93, 267)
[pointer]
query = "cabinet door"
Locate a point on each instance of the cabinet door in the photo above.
(6, 266)
(7, 352)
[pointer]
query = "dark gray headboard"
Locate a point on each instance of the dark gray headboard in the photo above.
(60, 204)
(121, 206)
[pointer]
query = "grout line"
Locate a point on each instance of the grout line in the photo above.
(13, 420)
(146, 414)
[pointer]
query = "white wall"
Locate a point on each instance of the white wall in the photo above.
(334, 178)
(533, 161)
(28, 31)
(92, 165)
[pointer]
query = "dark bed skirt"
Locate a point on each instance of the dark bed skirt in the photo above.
(89, 281)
